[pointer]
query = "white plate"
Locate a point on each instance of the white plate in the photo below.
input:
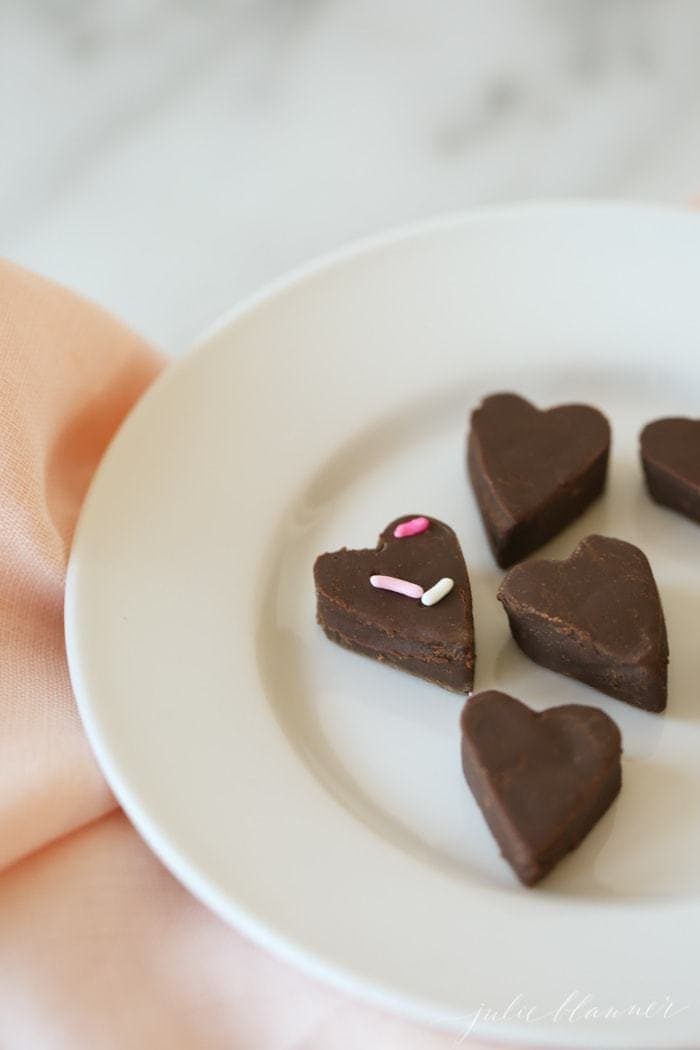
(315, 798)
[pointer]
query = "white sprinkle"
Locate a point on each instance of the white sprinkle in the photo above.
(438, 591)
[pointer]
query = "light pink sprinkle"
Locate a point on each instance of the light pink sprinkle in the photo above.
(412, 527)
(391, 583)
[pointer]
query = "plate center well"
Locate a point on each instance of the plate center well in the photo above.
(387, 745)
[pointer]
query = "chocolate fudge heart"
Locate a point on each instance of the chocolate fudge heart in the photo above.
(533, 472)
(596, 616)
(434, 641)
(670, 450)
(541, 780)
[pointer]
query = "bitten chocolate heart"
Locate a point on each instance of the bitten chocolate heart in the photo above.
(541, 780)
(670, 451)
(435, 642)
(596, 616)
(533, 472)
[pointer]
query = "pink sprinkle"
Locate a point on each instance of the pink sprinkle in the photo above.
(412, 527)
(391, 583)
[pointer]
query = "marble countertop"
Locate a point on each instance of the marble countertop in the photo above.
(167, 157)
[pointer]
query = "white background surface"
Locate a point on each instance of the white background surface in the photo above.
(166, 158)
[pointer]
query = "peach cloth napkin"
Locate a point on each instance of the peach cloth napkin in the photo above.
(99, 946)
